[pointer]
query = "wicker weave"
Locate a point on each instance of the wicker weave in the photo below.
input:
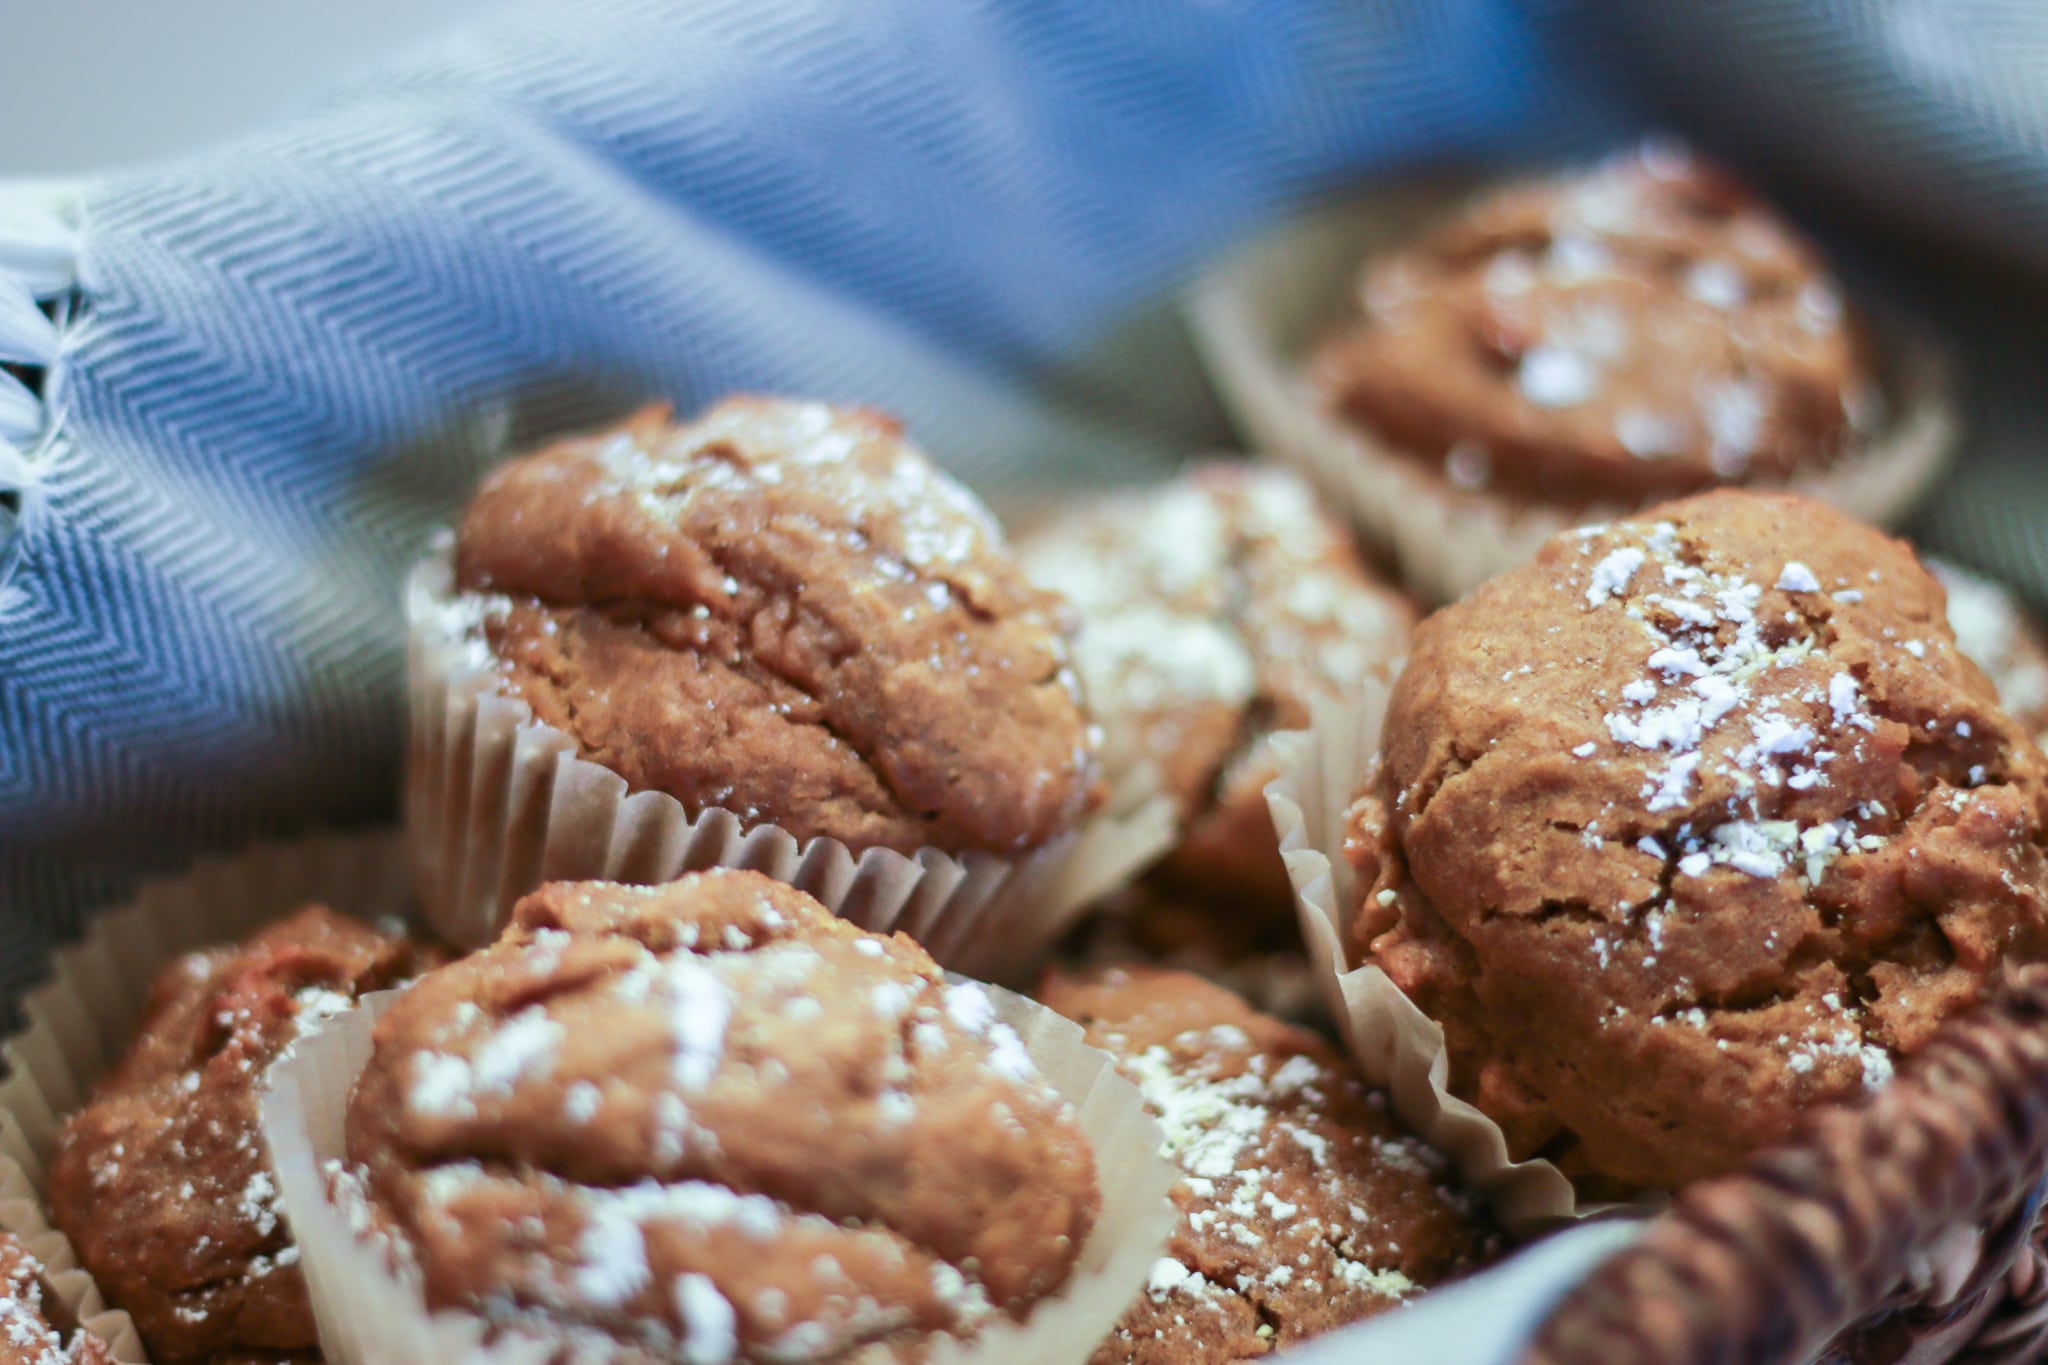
(1904, 1229)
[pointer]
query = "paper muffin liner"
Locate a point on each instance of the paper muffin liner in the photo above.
(369, 1316)
(21, 1213)
(498, 802)
(79, 1023)
(1258, 317)
(1396, 1045)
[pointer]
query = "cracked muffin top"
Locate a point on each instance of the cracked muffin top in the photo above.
(1303, 1205)
(711, 1121)
(783, 610)
(35, 1327)
(1212, 611)
(1645, 329)
(161, 1181)
(1689, 823)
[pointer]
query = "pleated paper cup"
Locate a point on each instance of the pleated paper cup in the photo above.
(21, 1213)
(79, 1024)
(1396, 1045)
(498, 802)
(1259, 316)
(371, 1315)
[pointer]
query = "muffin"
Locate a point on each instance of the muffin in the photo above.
(161, 1181)
(1642, 330)
(781, 609)
(710, 1121)
(1994, 633)
(1690, 823)
(1303, 1205)
(35, 1326)
(1213, 611)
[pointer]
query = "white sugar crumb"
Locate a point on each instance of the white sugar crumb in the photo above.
(699, 1006)
(1796, 577)
(523, 1049)
(1716, 283)
(971, 1010)
(969, 1007)
(258, 1205)
(1169, 1275)
(580, 1104)
(710, 1326)
(1611, 575)
(613, 1255)
(1840, 1047)
(1553, 376)
(1388, 1283)
(1734, 410)
(441, 1086)
(1649, 435)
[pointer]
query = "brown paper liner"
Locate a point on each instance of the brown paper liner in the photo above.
(369, 1316)
(1259, 315)
(498, 802)
(79, 1023)
(1395, 1044)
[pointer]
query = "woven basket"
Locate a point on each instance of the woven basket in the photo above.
(1906, 1229)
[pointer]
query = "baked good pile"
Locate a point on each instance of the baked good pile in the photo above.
(1705, 817)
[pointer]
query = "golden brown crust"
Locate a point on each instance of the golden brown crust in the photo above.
(35, 1327)
(784, 610)
(1304, 1206)
(1213, 610)
(161, 1181)
(712, 1112)
(1639, 331)
(1691, 823)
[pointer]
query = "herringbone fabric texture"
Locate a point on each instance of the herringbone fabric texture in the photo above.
(236, 392)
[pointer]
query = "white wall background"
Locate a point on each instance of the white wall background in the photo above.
(89, 85)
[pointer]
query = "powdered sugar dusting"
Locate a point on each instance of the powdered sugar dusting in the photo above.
(1200, 594)
(26, 1335)
(1744, 687)
(1220, 1120)
(710, 1327)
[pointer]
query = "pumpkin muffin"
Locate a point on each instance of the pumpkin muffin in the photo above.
(781, 609)
(1690, 823)
(710, 1121)
(35, 1327)
(161, 1181)
(1213, 611)
(1303, 1205)
(1645, 329)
